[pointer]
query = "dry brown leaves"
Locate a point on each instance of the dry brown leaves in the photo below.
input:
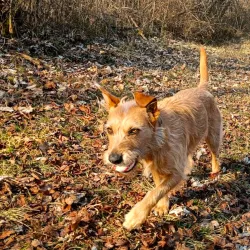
(55, 191)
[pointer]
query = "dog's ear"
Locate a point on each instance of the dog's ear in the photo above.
(148, 102)
(110, 100)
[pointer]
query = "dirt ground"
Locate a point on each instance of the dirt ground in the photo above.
(56, 193)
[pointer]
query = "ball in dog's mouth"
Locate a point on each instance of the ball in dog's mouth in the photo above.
(126, 169)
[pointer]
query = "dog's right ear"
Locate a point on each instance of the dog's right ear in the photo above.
(110, 100)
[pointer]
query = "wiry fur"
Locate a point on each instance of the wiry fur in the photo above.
(166, 146)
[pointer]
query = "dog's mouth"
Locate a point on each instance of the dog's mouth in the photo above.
(125, 169)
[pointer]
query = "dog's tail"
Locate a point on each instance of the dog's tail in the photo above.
(203, 69)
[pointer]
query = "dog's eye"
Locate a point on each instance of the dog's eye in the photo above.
(110, 131)
(133, 131)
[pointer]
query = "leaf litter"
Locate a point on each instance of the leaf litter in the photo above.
(55, 192)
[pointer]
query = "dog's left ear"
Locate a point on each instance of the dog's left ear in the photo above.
(150, 103)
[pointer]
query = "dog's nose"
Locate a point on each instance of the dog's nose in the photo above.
(115, 158)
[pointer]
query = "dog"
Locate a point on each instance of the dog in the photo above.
(162, 135)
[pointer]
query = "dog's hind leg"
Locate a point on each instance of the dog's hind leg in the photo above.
(214, 138)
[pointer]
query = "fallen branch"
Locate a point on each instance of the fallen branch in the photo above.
(140, 32)
(34, 61)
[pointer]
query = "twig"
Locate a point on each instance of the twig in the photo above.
(140, 32)
(36, 62)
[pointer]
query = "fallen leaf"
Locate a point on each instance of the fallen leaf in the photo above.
(35, 243)
(181, 246)
(121, 242)
(85, 109)
(35, 176)
(85, 215)
(34, 189)
(70, 200)
(25, 110)
(6, 109)
(219, 241)
(179, 211)
(246, 216)
(73, 97)
(69, 107)
(2, 94)
(21, 200)
(6, 234)
(109, 245)
(162, 243)
(49, 85)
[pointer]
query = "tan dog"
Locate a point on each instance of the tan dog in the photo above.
(162, 136)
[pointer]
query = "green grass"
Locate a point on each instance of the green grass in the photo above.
(9, 169)
(16, 215)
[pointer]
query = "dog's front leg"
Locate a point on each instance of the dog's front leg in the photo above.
(162, 205)
(141, 210)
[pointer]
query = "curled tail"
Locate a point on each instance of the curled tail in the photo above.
(203, 69)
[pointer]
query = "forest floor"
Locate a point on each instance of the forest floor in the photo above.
(56, 193)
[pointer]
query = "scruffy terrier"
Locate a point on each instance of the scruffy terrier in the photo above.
(162, 135)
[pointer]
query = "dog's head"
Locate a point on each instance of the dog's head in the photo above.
(130, 128)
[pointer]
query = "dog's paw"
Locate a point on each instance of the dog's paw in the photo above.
(162, 207)
(135, 217)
